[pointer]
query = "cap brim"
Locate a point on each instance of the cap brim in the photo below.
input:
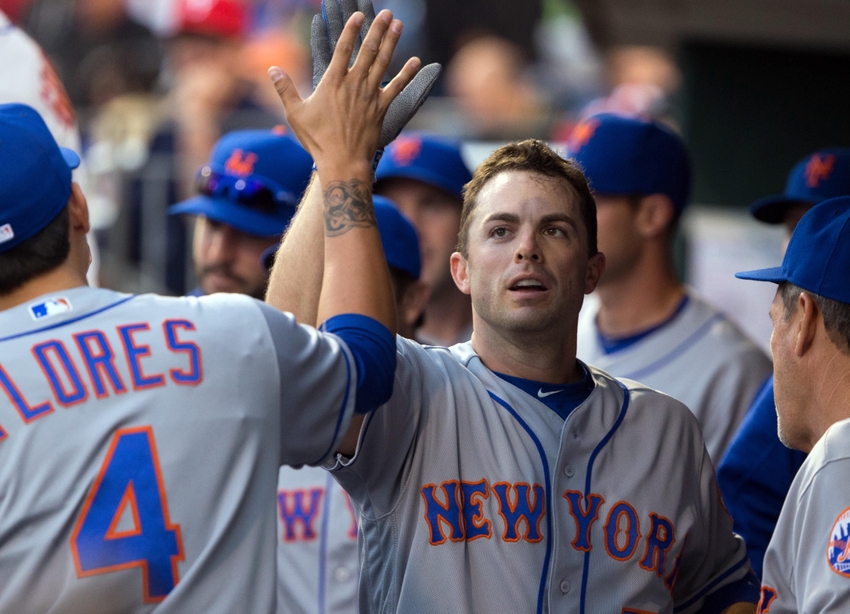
(420, 174)
(241, 218)
(71, 157)
(772, 209)
(773, 274)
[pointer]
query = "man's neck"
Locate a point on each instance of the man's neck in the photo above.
(62, 278)
(545, 356)
(638, 302)
(447, 317)
(829, 393)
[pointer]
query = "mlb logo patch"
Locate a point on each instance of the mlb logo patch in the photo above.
(838, 550)
(6, 233)
(50, 307)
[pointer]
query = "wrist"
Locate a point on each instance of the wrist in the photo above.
(330, 170)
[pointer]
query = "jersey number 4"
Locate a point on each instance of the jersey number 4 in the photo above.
(124, 522)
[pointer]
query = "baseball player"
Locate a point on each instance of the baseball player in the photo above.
(317, 563)
(247, 194)
(757, 470)
(141, 437)
(504, 475)
(643, 324)
(425, 175)
(806, 567)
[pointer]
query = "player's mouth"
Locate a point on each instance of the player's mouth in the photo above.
(528, 286)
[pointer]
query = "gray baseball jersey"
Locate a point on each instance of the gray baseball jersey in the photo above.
(476, 497)
(317, 566)
(807, 563)
(699, 357)
(140, 440)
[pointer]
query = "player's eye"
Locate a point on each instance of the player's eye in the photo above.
(555, 231)
(499, 231)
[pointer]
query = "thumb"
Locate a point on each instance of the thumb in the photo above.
(286, 89)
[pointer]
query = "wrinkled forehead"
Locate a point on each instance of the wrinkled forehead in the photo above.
(527, 194)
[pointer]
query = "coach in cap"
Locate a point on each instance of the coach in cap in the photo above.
(807, 567)
(247, 195)
(424, 175)
(643, 324)
(757, 470)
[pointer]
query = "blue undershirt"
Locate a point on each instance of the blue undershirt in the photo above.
(560, 398)
(615, 344)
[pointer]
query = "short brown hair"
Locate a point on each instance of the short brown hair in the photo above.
(836, 315)
(529, 155)
(37, 255)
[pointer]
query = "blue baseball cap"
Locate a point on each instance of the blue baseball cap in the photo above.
(253, 181)
(398, 238)
(817, 177)
(35, 175)
(628, 156)
(818, 255)
(430, 159)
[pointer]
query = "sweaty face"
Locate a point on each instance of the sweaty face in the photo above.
(528, 268)
(436, 217)
(618, 237)
(228, 260)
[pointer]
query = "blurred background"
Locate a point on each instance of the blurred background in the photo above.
(753, 86)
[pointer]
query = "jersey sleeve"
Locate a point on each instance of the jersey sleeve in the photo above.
(318, 383)
(807, 565)
(715, 571)
(375, 476)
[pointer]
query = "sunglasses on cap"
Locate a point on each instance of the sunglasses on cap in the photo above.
(262, 196)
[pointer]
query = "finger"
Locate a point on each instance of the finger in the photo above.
(333, 19)
(365, 7)
(385, 54)
(320, 47)
(345, 47)
(348, 8)
(372, 44)
(286, 89)
(400, 81)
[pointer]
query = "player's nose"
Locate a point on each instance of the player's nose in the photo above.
(528, 247)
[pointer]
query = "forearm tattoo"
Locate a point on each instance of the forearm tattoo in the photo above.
(348, 204)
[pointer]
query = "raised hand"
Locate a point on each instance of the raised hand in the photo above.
(342, 121)
(326, 31)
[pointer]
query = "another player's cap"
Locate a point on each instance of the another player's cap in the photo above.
(632, 157)
(226, 19)
(818, 255)
(253, 182)
(398, 237)
(817, 177)
(430, 159)
(35, 175)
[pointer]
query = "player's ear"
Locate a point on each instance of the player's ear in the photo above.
(78, 210)
(595, 269)
(809, 319)
(654, 215)
(460, 272)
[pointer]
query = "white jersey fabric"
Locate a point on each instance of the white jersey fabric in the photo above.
(140, 443)
(317, 565)
(476, 497)
(807, 563)
(699, 357)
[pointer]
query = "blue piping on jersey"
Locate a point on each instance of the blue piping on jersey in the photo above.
(323, 541)
(66, 322)
(7, 29)
(590, 462)
(544, 576)
(707, 589)
(676, 352)
(341, 411)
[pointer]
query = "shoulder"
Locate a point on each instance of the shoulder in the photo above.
(827, 464)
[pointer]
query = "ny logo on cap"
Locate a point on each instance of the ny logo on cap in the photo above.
(240, 164)
(406, 149)
(819, 169)
(6, 233)
(582, 133)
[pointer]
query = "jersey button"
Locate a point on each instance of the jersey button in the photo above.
(565, 587)
(569, 471)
